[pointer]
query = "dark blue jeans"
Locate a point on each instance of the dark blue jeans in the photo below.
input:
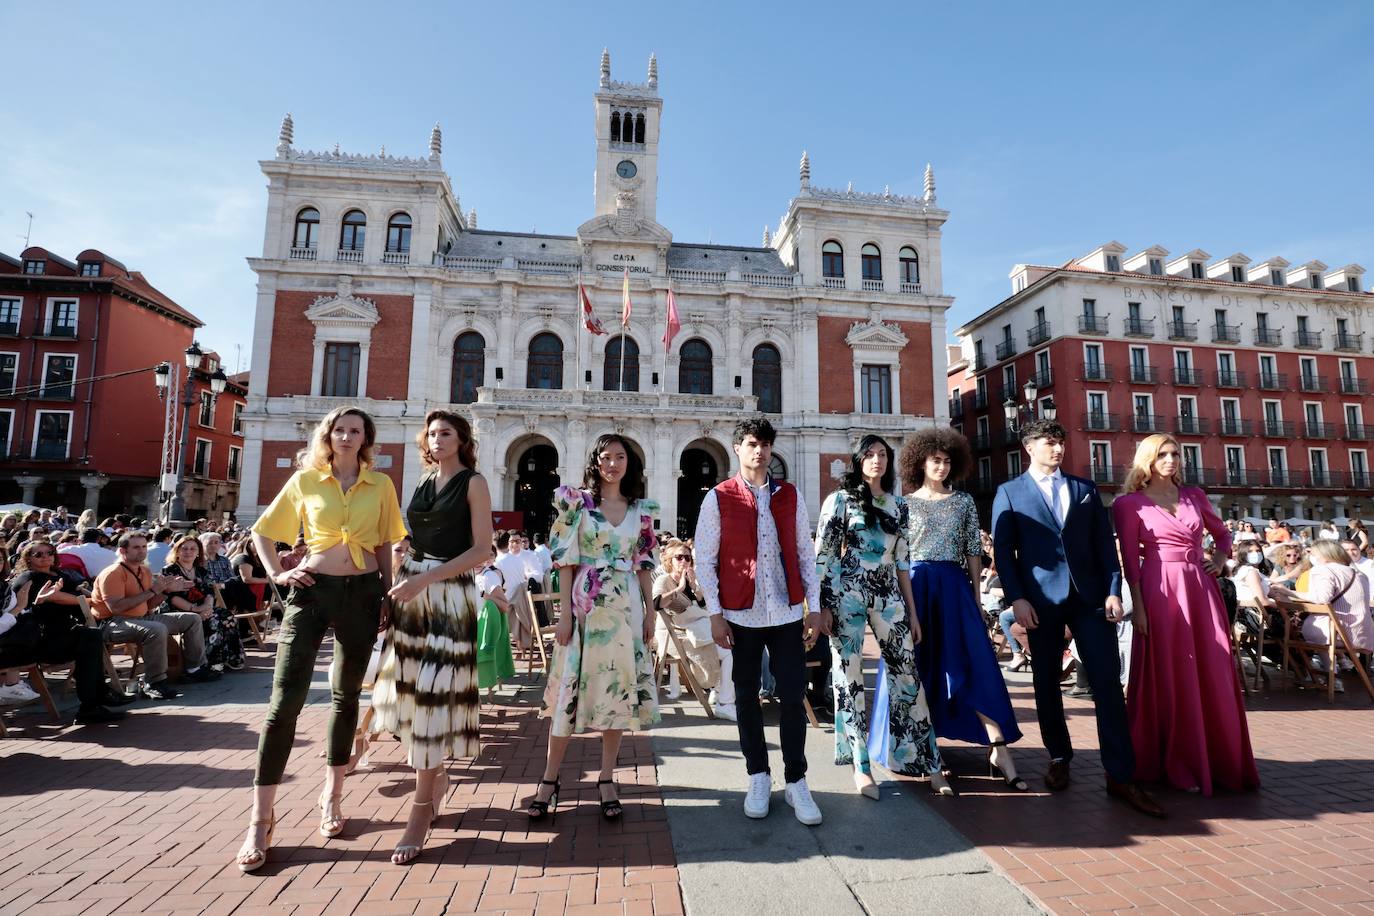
(787, 662)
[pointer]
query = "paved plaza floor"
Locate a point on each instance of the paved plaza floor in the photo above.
(145, 816)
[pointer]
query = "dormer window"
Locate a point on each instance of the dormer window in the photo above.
(1315, 280)
(1276, 277)
(1114, 263)
(1352, 284)
(90, 268)
(1237, 273)
(34, 266)
(1196, 267)
(1156, 266)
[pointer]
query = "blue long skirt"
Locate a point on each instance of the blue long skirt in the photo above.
(958, 668)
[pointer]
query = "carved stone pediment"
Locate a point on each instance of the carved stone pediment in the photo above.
(616, 227)
(875, 335)
(343, 309)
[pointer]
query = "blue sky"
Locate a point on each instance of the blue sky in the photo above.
(1053, 127)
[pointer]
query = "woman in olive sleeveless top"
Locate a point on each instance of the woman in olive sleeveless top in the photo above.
(426, 687)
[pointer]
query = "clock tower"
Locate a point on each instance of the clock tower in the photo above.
(627, 118)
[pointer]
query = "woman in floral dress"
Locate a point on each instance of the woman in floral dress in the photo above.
(602, 677)
(861, 557)
(222, 646)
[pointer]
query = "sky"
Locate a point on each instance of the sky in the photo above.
(1052, 127)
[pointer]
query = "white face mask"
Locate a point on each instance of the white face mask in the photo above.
(1254, 556)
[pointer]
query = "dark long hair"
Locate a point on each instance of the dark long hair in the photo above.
(467, 446)
(855, 485)
(631, 485)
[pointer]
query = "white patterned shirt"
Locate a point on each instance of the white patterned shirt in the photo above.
(770, 608)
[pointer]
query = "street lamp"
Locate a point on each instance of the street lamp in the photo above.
(162, 378)
(1018, 415)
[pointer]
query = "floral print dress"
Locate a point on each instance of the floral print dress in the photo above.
(604, 678)
(223, 648)
(858, 564)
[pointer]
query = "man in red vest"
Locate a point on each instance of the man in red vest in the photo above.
(756, 565)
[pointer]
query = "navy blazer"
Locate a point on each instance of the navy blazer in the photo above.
(1037, 559)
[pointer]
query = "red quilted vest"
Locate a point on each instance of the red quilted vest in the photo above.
(739, 541)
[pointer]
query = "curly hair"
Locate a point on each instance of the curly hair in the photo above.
(912, 463)
(759, 427)
(631, 485)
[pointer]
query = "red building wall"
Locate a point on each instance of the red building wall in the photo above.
(293, 337)
(917, 384)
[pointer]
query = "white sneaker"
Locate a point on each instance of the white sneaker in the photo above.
(726, 711)
(798, 795)
(17, 693)
(760, 792)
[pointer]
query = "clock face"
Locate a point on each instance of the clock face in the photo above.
(626, 169)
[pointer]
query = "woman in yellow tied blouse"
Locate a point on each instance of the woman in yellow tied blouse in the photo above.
(350, 516)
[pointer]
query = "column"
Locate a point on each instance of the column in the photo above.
(364, 348)
(262, 336)
(662, 480)
(28, 485)
(93, 483)
(422, 330)
(505, 357)
(1257, 506)
(733, 338)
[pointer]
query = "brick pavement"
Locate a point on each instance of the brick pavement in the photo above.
(145, 817)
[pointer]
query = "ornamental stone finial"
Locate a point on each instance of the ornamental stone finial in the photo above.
(472, 219)
(653, 71)
(887, 192)
(805, 170)
(436, 143)
(605, 68)
(767, 238)
(286, 136)
(930, 184)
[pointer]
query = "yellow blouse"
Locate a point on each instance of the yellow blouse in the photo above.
(313, 501)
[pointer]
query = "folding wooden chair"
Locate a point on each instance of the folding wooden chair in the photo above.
(1296, 649)
(35, 675)
(256, 620)
(1244, 643)
(537, 633)
(684, 669)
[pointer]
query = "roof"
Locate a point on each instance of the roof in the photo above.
(138, 286)
(483, 243)
(727, 257)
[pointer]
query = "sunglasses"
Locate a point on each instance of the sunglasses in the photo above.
(686, 559)
(40, 554)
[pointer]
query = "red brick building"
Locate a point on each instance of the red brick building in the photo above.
(1261, 370)
(81, 424)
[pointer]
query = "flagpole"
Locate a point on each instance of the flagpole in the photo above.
(623, 326)
(577, 335)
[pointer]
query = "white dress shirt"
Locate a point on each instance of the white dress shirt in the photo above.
(1055, 489)
(771, 607)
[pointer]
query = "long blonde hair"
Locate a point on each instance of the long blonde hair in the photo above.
(1143, 464)
(319, 454)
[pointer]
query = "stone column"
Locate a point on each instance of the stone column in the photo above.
(422, 330)
(28, 484)
(93, 483)
(1257, 508)
(663, 483)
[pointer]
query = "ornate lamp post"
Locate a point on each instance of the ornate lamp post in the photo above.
(1017, 415)
(162, 377)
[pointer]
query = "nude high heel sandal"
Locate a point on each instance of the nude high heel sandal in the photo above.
(251, 858)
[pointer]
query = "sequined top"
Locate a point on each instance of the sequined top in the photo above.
(943, 529)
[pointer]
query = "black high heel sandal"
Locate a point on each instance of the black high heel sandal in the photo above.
(1015, 783)
(538, 810)
(610, 810)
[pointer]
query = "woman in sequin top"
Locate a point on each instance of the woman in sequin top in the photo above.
(964, 686)
(861, 559)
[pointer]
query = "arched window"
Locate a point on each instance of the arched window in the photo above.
(777, 468)
(872, 260)
(832, 259)
(469, 367)
(545, 366)
(911, 265)
(694, 367)
(615, 125)
(307, 228)
(639, 128)
(354, 231)
(398, 233)
(768, 378)
(612, 375)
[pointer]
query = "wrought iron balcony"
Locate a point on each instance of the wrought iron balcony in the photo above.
(1273, 381)
(1349, 343)
(1043, 379)
(1318, 430)
(1314, 382)
(1096, 372)
(981, 442)
(1183, 330)
(1197, 477)
(1147, 423)
(1352, 385)
(1225, 333)
(9, 329)
(1359, 480)
(1232, 379)
(62, 331)
(1092, 324)
(1278, 429)
(983, 484)
(1190, 426)
(1236, 477)
(1357, 432)
(1138, 327)
(1038, 334)
(1307, 340)
(980, 362)
(1104, 473)
(1325, 480)
(1187, 376)
(1232, 426)
(956, 407)
(1101, 422)
(980, 399)
(1147, 375)
(1282, 477)
(1268, 337)
(1006, 349)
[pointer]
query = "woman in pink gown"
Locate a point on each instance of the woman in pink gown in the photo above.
(1183, 700)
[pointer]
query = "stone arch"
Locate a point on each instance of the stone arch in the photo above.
(531, 473)
(700, 464)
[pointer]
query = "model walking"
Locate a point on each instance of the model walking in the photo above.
(350, 516)
(862, 560)
(426, 688)
(602, 677)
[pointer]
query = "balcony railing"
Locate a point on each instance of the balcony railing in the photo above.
(1038, 334)
(1278, 429)
(56, 392)
(1183, 330)
(349, 255)
(1043, 379)
(1011, 437)
(1146, 375)
(395, 257)
(873, 286)
(908, 287)
(1357, 432)
(1231, 426)
(1349, 343)
(1097, 372)
(1187, 376)
(1352, 385)
(1282, 477)
(1147, 423)
(1006, 348)
(980, 361)
(1138, 327)
(1268, 337)
(61, 331)
(1232, 379)
(50, 451)
(981, 442)
(832, 282)
(1190, 426)
(1325, 480)
(1307, 340)
(980, 399)
(983, 485)
(1319, 430)
(1273, 381)
(303, 254)
(1101, 422)
(9, 329)
(1236, 477)
(1359, 480)
(1314, 382)
(1104, 473)
(1092, 324)
(1225, 333)
(956, 407)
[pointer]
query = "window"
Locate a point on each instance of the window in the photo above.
(982, 429)
(1353, 415)
(1187, 408)
(872, 261)
(398, 233)
(1312, 413)
(616, 368)
(1042, 368)
(1013, 464)
(1140, 370)
(985, 471)
(1237, 273)
(980, 392)
(6, 433)
(876, 384)
(1262, 321)
(544, 368)
(777, 468)
(1276, 277)
(694, 368)
(1230, 412)
(307, 228)
(910, 265)
(10, 311)
(1100, 456)
(1315, 280)
(1009, 381)
(1196, 267)
(34, 266)
(979, 358)
(341, 361)
(1226, 364)
(207, 409)
(1133, 312)
(200, 467)
(469, 367)
(1114, 263)
(1092, 361)
(1143, 406)
(1278, 463)
(1359, 467)
(238, 418)
(52, 434)
(61, 318)
(615, 126)
(235, 462)
(1097, 404)
(1192, 457)
(832, 259)
(59, 376)
(1352, 284)
(353, 233)
(768, 378)
(9, 371)
(1156, 266)
(1183, 361)
(90, 268)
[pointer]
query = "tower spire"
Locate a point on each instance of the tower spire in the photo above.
(767, 238)
(805, 170)
(930, 184)
(286, 136)
(472, 219)
(653, 70)
(436, 143)
(605, 68)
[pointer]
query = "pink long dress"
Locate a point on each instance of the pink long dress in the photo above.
(1183, 701)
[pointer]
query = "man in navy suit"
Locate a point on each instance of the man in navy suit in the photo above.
(1056, 556)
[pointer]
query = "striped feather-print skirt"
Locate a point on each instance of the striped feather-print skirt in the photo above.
(426, 687)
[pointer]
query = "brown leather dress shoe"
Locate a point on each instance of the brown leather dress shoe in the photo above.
(1057, 778)
(1136, 797)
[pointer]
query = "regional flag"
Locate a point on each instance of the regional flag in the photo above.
(674, 323)
(589, 319)
(625, 301)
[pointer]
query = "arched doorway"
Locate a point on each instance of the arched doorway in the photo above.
(701, 470)
(536, 477)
